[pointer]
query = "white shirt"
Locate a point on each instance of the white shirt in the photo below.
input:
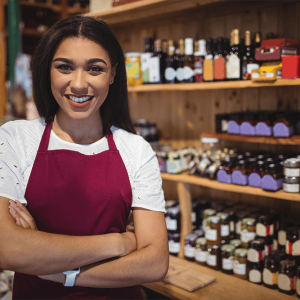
(19, 143)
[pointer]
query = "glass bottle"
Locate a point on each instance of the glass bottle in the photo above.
(156, 64)
(198, 61)
(208, 63)
(170, 73)
(220, 61)
(179, 62)
(145, 60)
(188, 69)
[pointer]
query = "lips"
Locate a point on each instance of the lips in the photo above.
(82, 104)
(79, 99)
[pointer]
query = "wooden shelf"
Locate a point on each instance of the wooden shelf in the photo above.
(32, 32)
(226, 287)
(55, 8)
(211, 85)
(72, 10)
(293, 140)
(213, 184)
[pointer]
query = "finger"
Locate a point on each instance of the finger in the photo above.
(13, 212)
(26, 216)
(24, 224)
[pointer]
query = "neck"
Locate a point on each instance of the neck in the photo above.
(80, 131)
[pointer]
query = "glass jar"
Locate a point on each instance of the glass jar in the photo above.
(292, 246)
(208, 212)
(236, 243)
(291, 184)
(248, 232)
(259, 168)
(271, 270)
(287, 277)
(201, 251)
(238, 226)
(227, 258)
(174, 164)
(225, 225)
(173, 219)
(265, 226)
(275, 171)
(190, 246)
(240, 263)
(255, 272)
(291, 167)
(232, 218)
(256, 251)
(213, 259)
(268, 241)
(283, 226)
(213, 231)
(162, 158)
(133, 68)
(251, 164)
(174, 243)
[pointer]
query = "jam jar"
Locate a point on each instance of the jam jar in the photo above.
(291, 167)
(283, 226)
(238, 226)
(255, 272)
(240, 263)
(274, 170)
(162, 158)
(225, 225)
(268, 241)
(232, 218)
(227, 258)
(174, 243)
(259, 168)
(199, 232)
(173, 219)
(292, 246)
(265, 226)
(291, 184)
(213, 258)
(248, 232)
(213, 230)
(298, 283)
(190, 246)
(201, 251)
(271, 270)
(207, 213)
(236, 243)
(287, 277)
(256, 251)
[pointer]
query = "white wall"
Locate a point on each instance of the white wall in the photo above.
(98, 5)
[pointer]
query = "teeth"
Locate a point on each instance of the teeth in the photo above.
(81, 99)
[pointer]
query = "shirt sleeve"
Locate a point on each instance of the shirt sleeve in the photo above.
(147, 189)
(11, 179)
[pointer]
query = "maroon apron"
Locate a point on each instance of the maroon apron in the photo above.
(75, 194)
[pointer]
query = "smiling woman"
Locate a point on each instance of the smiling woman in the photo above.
(79, 169)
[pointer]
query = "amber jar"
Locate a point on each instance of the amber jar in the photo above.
(259, 168)
(268, 241)
(292, 246)
(298, 283)
(213, 258)
(240, 263)
(173, 219)
(174, 243)
(271, 270)
(238, 226)
(190, 246)
(287, 277)
(265, 226)
(232, 219)
(251, 164)
(248, 232)
(208, 212)
(255, 272)
(227, 258)
(236, 243)
(256, 251)
(274, 170)
(292, 167)
(201, 251)
(283, 226)
(225, 225)
(213, 231)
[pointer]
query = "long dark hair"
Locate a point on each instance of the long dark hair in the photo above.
(115, 109)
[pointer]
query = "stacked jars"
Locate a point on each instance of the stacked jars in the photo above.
(292, 175)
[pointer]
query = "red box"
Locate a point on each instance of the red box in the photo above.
(291, 66)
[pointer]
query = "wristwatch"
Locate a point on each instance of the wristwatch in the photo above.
(71, 276)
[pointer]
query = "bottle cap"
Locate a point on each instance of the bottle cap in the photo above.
(189, 46)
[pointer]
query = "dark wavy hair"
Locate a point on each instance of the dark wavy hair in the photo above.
(115, 109)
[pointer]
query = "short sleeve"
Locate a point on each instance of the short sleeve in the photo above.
(11, 179)
(147, 189)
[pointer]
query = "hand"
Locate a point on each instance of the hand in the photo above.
(59, 277)
(129, 242)
(21, 215)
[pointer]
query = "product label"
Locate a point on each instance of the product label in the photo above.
(233, 66)
(292, 172)
(145, 62)
(238, 268)
(211, 260)
(281, 237)
(254, 276)
(220, 72)
(268, 249)
(179, 74)
(208, 70)
(211, 234)
(298, 286)
(200, 255)
(187, 73)
(189, 251)
(170, 74)
(275, 245)
(285, 283)
(224, 125)
(247, 236)
(171, 224)
(291, 188)
(174, 247)
(224, 230)
(255, 256)
(154, 70)
(204, 225)
(238, 227)
(174, 166)
(264, 230)
(227, 263)
(193, 217)
(132, 69)
(269, 277)
(292, 248)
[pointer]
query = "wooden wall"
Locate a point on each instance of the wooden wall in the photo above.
(184, 115)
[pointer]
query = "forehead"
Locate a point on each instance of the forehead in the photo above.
(80, 49)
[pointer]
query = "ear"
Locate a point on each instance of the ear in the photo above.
(113, 74)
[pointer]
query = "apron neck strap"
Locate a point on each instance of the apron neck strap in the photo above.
(46, 137)
(110, 139)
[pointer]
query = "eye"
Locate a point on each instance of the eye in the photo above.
(95, 69)
(64, 67)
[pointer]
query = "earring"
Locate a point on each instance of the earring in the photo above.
(112, 81)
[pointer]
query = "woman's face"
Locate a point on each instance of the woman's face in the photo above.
(80, 73)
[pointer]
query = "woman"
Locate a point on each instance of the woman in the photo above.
(80, 169)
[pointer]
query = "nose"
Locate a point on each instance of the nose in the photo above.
(78, 83)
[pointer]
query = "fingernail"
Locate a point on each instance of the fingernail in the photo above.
(12, 210)
(18, 222)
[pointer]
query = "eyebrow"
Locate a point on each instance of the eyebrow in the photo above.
(70, 61)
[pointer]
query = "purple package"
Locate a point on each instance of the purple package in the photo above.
(233, 127)
(269, 183)
(263, 129)
(239, 178)
(222, 176)
(281, 130)
(254, 180)
(247, 129)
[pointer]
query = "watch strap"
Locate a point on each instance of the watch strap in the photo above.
(70, 279)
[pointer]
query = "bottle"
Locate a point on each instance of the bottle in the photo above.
(257, 40)
(179, 62)
(188, 69)
(235, 58)
(198, 61)
(145, 60)
(208, 64)
(220, 61)
(196, 46)
(170, 72)
(248, 58)
(156, 64)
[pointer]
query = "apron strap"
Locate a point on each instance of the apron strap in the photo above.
(46, 137)
(110, 140)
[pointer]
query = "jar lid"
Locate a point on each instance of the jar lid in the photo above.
(268, 240)
(222, 215)
(248, 221)
(291, 180)
(132, 54)
(292, 163)
(213, 247)
(199, 232)
(260, 162)
(294, 230)
(257, 244)
(240, 252)
(236, 242)
(228, 248)
(213, 219)
(208, 212)
(287, 265)
(200, 241)
(266, 219)
(190, 237)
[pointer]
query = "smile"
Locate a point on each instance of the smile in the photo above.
(79, 99)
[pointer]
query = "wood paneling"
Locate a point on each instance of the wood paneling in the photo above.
(2, 60)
